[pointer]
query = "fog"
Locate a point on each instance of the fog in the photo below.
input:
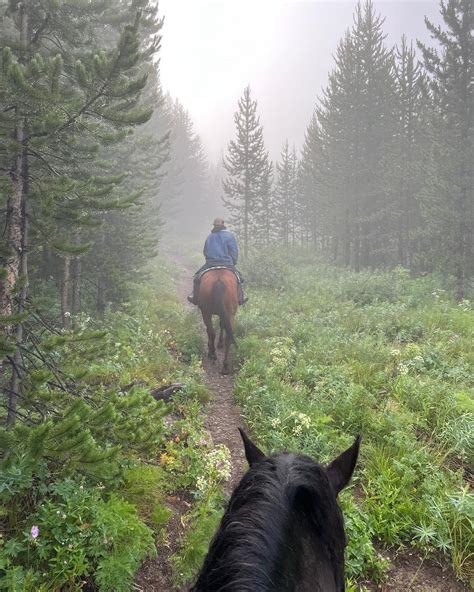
(284, 49)
(351, 250)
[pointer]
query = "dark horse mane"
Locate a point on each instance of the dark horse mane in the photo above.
(282, 514)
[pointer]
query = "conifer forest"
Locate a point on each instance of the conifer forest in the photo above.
(119, 441)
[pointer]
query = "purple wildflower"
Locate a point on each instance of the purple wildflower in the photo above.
(34, 532)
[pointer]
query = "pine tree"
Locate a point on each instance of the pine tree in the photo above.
(63, 97)
(265, 214)
(336, 164)
(214, 185)
(406, 165)
(448, 194)
(172, 180)
(249, 172)
(130, 231)
(356, 118)
(185, 174)
(310, 207)
(285, 196)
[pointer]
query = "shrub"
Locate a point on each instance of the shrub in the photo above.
(74, 533)
(74, 466)
(263, 269)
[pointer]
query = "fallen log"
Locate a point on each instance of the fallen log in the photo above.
(164, 393)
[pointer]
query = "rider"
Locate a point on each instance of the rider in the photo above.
(220, 250)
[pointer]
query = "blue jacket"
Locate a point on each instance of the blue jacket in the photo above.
(221, 248)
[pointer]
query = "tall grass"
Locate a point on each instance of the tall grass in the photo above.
(327, 353)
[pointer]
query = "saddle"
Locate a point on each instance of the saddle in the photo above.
(199, 275)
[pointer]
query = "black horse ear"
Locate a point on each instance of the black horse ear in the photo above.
(253, 454)
(341, 469)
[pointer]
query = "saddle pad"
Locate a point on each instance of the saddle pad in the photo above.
(199, 276)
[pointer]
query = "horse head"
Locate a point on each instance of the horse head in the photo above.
(283, 530)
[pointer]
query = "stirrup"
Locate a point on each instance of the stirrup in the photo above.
(192, 300)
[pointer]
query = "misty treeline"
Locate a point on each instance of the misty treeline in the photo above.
(89, 147)
(385, 173)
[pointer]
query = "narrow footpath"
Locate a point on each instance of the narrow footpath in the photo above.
(223, 415)
(222, 421)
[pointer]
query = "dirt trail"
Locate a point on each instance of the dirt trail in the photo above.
(222, 421)
(223, 414)
(408, 573)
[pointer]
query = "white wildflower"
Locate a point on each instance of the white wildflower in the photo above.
(201, 484)
(403, 368)
(304, 420)
(219, 460)
(297, 429)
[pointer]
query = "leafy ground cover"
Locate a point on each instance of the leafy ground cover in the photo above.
(323, 353)
(85, 476)
(327, 353)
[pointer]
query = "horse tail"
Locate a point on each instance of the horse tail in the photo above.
(218, 296)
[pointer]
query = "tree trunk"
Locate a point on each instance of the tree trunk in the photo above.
(65, 293)
(365, 255)
(100, 302)
(335, 248)
(17, 270)
(76, 288)
(17, 243)
(17, 370)
(46, 262)
(465, 207)
(357, 245)
(246, 220)
(463, 244)
(347, 240)
(14, 233)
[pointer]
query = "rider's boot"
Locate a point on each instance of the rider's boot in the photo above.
(242, 296)
(193, 297)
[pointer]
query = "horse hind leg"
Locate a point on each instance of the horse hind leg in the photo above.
(228, 351)
(226, 363)
(220, 343)
(211, 337)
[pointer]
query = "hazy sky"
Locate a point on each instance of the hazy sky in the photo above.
(283, 48)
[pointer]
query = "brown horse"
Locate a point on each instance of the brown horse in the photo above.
(218, 295)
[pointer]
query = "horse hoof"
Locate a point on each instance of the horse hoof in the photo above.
(212, 356)
(225, 371)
